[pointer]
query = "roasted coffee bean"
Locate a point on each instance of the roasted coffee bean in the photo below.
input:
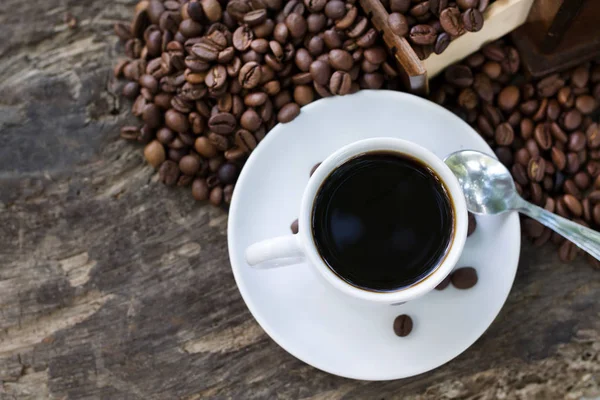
(190, 164)
(441, 43)
(557, 133)
(288, 113)
(532, 228)
(168, 173)
(567, 252)
(443, 284)
(472, 224)
(571, 120)
(154, 152)
(573, 163)
(543, 136)
(586, 104)
(472, 20)
(459, 75)
(558, 158)
(504, 134)
(593, 136)
(505, 156)
(200, 190)
(400, 6)
(522, 156)
(548, 86)
(451, 21)
(464, 278)
(320, 72)
(437, 6)
(508, 98)
(340, 60)
(519, 172)
(403, 325)
(222, 123)
(423, 34)
(250, 75)
(294, 226)
(303, 95)
(536, 169)
(577, 141)
(574, 205)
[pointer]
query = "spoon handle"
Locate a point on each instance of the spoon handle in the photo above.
(585, 238)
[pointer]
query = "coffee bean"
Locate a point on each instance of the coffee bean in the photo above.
(250, 120)
(216, 196)
(131, 90)
(593, 135)
(340, 60)
(508, 98)
(400, 6)
(536, 169)
(303, 95)
(520, 174)
(548, 86)
(573, 205)
(288, 113)
(504, 134)
(451, 21)
(443, 284)
(558, 158)
(227, 173)
(532, 228)
(580, 76)
(567, 252)
(522, 156)
(505, 156)
(577, 141)
(459, 75)
(464, 278)
(154, 152)
(190, 164)
(472, 225)
(571, 120)
(168, 173)
(596, 214)
(441, 43)
(204, 147)
(294, 226)
(250, 75)
(472, 20)
(320, 72)
(403, 325)
(573, 163)
(558, 133)
(335, 9)
(543, 136)
(314, 168)
(437, 6)
(222, 123)
(468, 99)
(200, 189)
(423, 34)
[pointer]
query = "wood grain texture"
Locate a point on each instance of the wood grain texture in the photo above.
(115, 287)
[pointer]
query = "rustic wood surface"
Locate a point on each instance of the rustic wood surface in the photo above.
(115, 287)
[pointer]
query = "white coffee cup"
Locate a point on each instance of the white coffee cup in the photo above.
(293, 249)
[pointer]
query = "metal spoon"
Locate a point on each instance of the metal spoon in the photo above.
(489, 189)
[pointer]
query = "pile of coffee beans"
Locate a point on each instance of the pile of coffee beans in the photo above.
(210, 78)
(546, 132)
(430, 25)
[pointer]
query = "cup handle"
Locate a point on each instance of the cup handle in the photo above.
(275, 252)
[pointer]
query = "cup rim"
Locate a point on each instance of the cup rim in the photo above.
(384, 144)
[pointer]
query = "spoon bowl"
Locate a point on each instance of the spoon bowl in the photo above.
(486, 183)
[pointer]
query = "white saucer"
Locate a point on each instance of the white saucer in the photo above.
(307, 317)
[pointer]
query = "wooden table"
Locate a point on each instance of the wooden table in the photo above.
(115, 287)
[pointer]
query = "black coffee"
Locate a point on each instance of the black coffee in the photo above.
(382, 221)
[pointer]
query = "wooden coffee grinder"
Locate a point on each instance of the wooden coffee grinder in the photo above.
(559, 34)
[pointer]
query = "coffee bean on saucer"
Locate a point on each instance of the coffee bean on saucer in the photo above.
(464, 278)
(472, 224)
(403, 325)
(294, 226)
(314, 168)
(443, 284)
